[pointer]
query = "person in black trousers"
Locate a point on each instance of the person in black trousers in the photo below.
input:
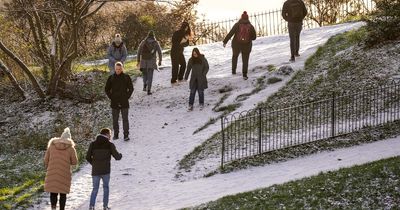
(180, 39)
(119, 89)
(294, 12)
(244, 33)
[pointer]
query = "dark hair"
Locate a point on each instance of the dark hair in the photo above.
(197, 51)
(183, 26)
(105, 131)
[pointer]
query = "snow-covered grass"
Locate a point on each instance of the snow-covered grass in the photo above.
(366, 135)
(370, 186)
(342, 66)
(162, 133)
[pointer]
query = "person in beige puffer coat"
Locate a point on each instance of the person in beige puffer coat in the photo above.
(59, 158)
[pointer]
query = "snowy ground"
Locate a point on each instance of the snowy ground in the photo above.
(162, 128)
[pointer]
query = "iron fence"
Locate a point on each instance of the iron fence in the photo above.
(271, 22)
(262, 130)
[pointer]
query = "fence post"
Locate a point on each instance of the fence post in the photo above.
(223, 143)
(333, 120)
(259, 130)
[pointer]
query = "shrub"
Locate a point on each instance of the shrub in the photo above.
(385, 23)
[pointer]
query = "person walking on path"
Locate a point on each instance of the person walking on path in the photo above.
(180, 39)
(198, 65)
(60, 156)
(147, 59)
(294, 12)
(119, 89)
(244, 34)
(99, 156)
(116, 52)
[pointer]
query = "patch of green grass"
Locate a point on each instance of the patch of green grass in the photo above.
(369, 186)
(274, 80)
(271, 68)
(130, 68)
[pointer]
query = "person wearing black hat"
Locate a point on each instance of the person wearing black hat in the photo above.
(294, 12)
(147, 59)
(180, 39)
(243, 33)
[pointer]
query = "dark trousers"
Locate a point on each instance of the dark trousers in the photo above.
(54, 198)
(294, 35)
(193, 94)
(178, 66)
(125, 122)
(245, 50)
(148, 78)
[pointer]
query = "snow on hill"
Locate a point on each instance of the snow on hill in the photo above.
(162, 133)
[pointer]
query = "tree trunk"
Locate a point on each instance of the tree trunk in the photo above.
(24, 68)
(13, 80)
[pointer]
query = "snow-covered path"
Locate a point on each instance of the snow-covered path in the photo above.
(162, 133)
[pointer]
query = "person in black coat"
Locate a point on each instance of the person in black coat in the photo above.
(99, 156)
(119, 89)
(244, 33)
(180, 39)
(294, 12)
(198, 64)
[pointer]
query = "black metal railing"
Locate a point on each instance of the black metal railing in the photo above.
(271, 22)
(262, 130)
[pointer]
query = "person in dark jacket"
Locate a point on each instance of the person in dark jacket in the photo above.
(198, 64)
(294, 12)
(99, 156)
(243, 33)
(117, 52)
(119, 89)
(180, 39)
(147, 59)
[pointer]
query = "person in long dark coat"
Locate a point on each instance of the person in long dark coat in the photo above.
(198, 65)
(244, 33)
(180, 39)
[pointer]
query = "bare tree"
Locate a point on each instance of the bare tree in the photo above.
(54, 27)
(13, 81)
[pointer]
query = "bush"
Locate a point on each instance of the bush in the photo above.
(385, 23)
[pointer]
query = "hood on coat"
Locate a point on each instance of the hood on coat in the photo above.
(102, 139)
(61, 144)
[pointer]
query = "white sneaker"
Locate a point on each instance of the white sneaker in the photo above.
(201, 106)
(190, 108)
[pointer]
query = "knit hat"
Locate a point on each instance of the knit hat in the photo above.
(150, 34)
(118, 39)
(245, 16)
(66, 134)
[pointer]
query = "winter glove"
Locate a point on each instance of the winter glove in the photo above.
(224, 45)
(159, 63)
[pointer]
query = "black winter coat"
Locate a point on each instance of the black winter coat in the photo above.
(119, 89)
(287, 13)
(99, 155)
(198, 79)
(234, 32)
(177, 46)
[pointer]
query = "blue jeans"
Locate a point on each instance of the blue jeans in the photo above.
(193, 94)
(106, 189)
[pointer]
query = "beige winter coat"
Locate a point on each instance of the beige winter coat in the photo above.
(60, 155)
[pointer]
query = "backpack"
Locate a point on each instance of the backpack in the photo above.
(244, 33)
(296, 10)
(148, 51)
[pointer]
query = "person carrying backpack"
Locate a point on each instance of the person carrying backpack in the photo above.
(147, 59)
(99, 156)
(244, 33)
(117, 52)
(294, 12)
